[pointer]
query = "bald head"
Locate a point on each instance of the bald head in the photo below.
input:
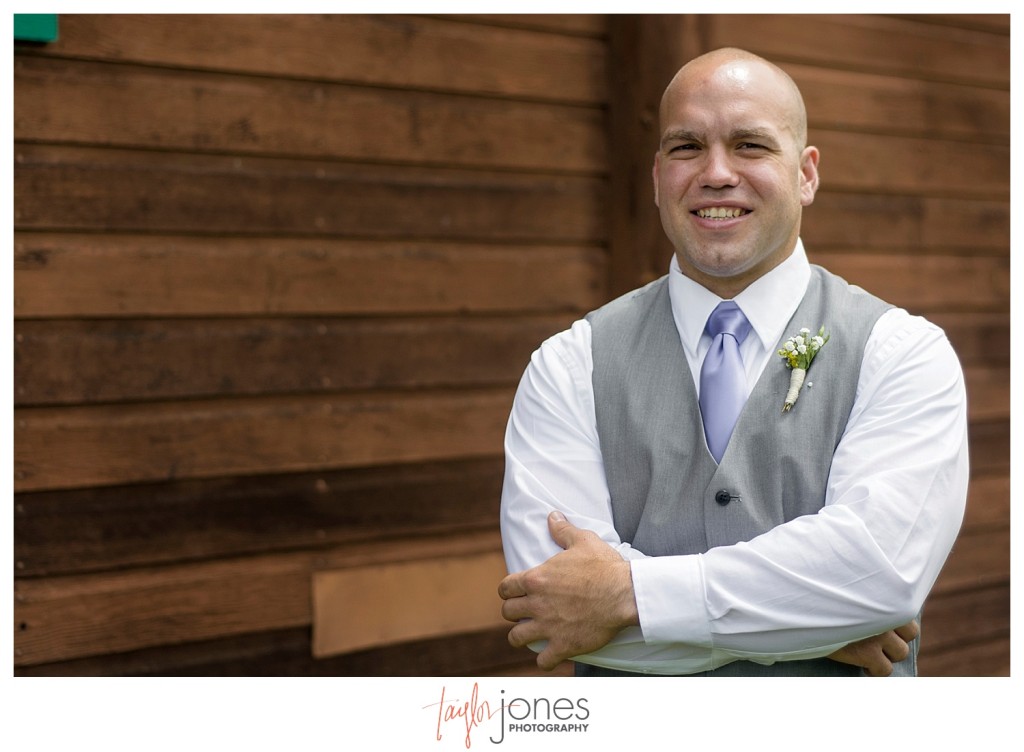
(733, 170)
(733, 67)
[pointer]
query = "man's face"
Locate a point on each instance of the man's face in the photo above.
(731, 176)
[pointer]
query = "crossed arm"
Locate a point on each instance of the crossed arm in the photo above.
(844, 583)
(580, 599)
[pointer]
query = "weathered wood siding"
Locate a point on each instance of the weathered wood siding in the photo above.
(912, 117)
(276, 279)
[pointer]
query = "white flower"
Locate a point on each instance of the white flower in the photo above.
(797, 353)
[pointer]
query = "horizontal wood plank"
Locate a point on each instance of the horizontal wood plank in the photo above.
(989, 658)
(977, 337)
(61, 618)
(88, 361)
(980, 558)
(988, 393)
(76, 102)
(997, 23)
(71, 188)
(938, 283)
(288, 652)
(944, 626)
(854, 221)
(84, 276)
(990, 447)
(988, 503)
(839, 100)
(362, 607)
(892, 46)
(95, 529)
(588, 24)
(863, 163)
(75, 447)
(386, 50)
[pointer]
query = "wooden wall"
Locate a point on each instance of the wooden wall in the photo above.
(912, 117)
(276, 279)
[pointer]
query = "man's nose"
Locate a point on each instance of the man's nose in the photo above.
(718, 171)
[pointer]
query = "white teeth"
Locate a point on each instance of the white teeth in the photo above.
(720, 212)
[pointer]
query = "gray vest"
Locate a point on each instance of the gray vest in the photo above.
(668, 494)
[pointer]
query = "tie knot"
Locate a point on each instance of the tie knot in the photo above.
(727, 318)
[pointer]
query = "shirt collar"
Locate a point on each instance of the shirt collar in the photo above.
(768, 303)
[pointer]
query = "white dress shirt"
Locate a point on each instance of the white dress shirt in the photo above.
(862, 565)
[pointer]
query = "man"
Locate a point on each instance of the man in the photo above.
(705, 529)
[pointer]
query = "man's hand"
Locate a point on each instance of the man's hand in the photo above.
(877, 654)
(577, 600)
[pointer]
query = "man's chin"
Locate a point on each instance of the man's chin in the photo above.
(720, 273)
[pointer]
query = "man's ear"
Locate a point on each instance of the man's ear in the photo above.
(654, 176)
(808, 175)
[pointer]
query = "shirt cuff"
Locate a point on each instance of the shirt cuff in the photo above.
(670, 599)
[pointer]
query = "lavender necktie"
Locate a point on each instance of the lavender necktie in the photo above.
(722, 379)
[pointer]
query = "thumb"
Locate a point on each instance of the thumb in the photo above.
(562, 531)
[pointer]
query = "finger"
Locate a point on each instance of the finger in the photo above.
(881, 667)
(894, 647)
(869, 654)
(523, 633)
(516, 609)
(512, 586)
(549, 658)
(562, 531)
(909, 631)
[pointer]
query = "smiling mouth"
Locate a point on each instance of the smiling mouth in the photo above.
(720, 212)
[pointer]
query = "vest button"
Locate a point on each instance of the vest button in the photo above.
(722, 497)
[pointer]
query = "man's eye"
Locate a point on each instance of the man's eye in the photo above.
(683, 147)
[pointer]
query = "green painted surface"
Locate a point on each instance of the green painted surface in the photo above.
(35, 27)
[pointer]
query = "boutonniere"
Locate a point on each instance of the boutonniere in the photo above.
(798, 352)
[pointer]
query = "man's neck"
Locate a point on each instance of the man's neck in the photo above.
(728, 287)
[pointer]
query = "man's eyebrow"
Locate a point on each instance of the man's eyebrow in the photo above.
(679, 134)
(754, 133)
